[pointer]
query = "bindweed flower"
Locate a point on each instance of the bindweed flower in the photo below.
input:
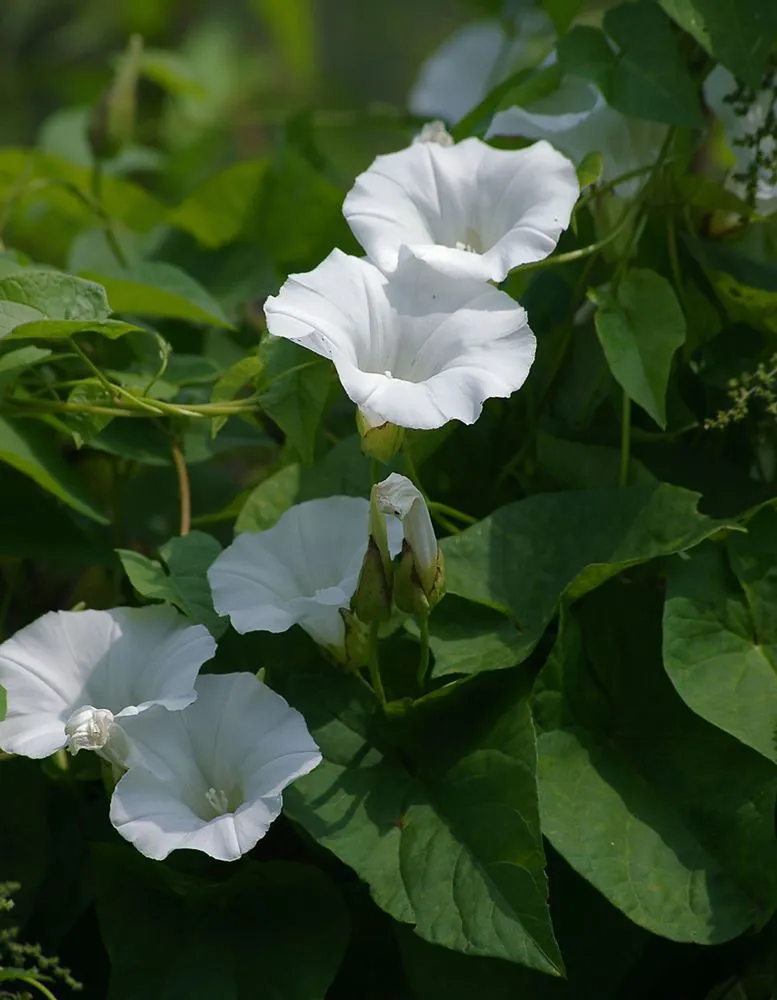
(577, 120)
(468, 209)
(70, 674)
(475, 58)
(301, 571)
(210, 778)
(417, 349)
(748, 119)
(420, 576)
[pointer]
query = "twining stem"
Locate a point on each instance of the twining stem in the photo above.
(129, 407)
(445, 508)
(423, 663)
(184, 488)
(625, 440)
(373, 664)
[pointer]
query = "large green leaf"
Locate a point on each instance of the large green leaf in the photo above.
(507, 562)
(640, 327)
(275, 930)
(50, 305)
(678, 817)
(450, 844)
(217, 211)
(650, 79)
(153, 288)
(271, 498)
(585, 52)
(184, 581)
(31, 449)
(720, 654)
(294, 388)
(739, 33)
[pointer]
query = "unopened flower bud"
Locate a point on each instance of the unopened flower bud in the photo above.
(419, 578)
(372, 598)
(355, 648)
(88, 728)
(382, 440)
(112, 123)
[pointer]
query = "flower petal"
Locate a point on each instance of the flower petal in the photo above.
(293, 572)
(508, 206)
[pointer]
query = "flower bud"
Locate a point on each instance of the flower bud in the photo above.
(372, 598)
(355, 648)
(381, 441)
(112, 122)
(419, 578)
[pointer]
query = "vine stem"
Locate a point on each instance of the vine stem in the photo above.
(373, 664)
(184, 488)
(625, 440)
(423, 663)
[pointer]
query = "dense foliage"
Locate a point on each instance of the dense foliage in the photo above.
(558, 779)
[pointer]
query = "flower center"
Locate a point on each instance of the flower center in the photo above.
(218, 800)
(471, 242)
(388, 374)
(88, 728)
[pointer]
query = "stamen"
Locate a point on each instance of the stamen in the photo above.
(388, 374)
(217, 800)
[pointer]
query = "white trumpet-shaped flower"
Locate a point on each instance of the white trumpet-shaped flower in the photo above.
(475, 58)
(301, 571)
(70, 674)
(576, 119)
(417, 349)
(210, 778)
(468, 209)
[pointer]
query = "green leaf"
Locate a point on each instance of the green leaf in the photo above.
(85, 425)
(32, 450)
(228, 938)
(650, 80)
(721, 659)
(454, 847)
(293, 27)
(467, 638)
(640, 328)
(586, 52)
(562, 12)
(171, 71)
(31, 296)
(62, 329)
(183, 582)
(293, 391)
(739, 33)
(216, 212)
(267, 501)
(14, 362)
(153, 288)
(678, 817)
(506, 562)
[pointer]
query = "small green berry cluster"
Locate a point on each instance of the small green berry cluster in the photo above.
(756, 386)
(25, 959)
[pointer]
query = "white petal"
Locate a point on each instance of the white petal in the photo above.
(302, 570)
(240, 738)
(508, 206)
(34, 734)
(424, 349)
(398, 496)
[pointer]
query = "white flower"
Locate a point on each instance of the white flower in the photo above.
(469, 210)
(417, 349)
(397, 496)
(210, 778)
(718, 86)
(301, 571)
(477, 57)
(69, 674)
(577, 120)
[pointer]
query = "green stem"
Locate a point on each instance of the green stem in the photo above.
(423, 663)
(110, 232)
(625, 440)
(373, 664)
(444, 508)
